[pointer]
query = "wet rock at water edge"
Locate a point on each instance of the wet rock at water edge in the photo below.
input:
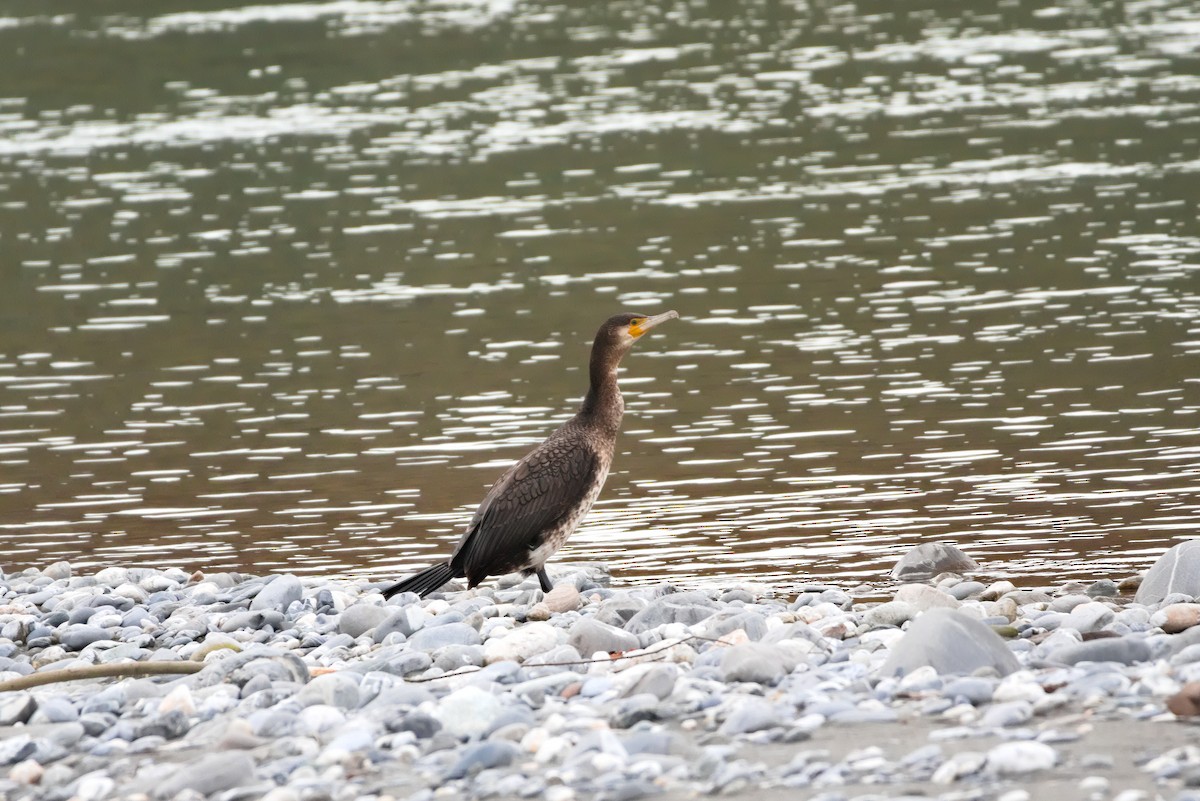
(278, 594)
(929, 559)
(1176, 571)
(952, 643)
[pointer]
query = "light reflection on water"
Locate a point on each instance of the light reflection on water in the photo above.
(289, 296)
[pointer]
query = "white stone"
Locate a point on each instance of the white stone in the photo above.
(27, 772)
(1019, 686)
(179, 699)
(93, 786)
(964, 763)
(468, 711)
(892, 613)
(521, 643)
(563, 598)
(1021, 756)
(997, 589)
(922, 597)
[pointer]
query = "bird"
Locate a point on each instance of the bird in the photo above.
(538, 503)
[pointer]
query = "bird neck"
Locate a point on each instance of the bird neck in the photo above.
(603, 402)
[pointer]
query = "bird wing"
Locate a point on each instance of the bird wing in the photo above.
(532, 497)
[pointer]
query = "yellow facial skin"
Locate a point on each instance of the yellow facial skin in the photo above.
(641, 325)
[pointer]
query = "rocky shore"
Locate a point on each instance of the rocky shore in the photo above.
(306, 689)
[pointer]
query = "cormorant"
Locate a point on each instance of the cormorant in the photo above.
(531, 511)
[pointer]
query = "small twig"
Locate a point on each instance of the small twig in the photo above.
(571, 662)
(120, 670)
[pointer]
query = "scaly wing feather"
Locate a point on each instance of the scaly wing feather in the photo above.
(530, 499)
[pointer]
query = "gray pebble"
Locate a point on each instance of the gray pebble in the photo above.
(752, 714)
(16, 708)
(589, 636)
(278, 594)
(210, 774)
(478, 756)
(754, 662)
(333, 689)
(433, 638)
(360, 618)
(1125, 650)
(76, 638)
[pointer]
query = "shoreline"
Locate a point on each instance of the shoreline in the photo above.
(312, 688)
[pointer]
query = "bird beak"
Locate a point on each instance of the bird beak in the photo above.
(650, 322)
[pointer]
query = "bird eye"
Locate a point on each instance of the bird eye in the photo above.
(635, 327)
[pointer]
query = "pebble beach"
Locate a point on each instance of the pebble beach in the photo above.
(299, 689)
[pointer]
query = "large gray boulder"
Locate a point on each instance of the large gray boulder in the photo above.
(952, 643)
(1176, 571)
(930, 558)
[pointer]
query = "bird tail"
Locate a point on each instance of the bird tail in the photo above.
(424, 582)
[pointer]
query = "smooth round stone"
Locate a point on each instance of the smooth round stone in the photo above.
(965, 589)
(55, 710)
(403, 621)
(753, 662)
(1176, 571)
(922, 597)
(931, 558)
(657, 680)
(753, 624)
(1104, 588)
(435, 637)
(1019, 757)
(1088, 617)
(973, 689)
(890, 613)
(468, 712)
(563, 598)
(1066, 603)
(16, 708)
(480, 756)
(76, 638)
(750, 714)
(1123, 650)
(521, 643)
(590, 636)
(950, 642)
(208, 775)
(339, 690)
(278, 594)
(1011, 713)
(422, 726)
(687, 608)
(453, 657)
(1176, 617)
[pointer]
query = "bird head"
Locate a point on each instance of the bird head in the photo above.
(620, 331)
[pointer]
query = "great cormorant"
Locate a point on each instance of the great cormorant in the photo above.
(531, 511)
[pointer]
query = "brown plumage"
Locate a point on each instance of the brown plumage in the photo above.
(539, 502)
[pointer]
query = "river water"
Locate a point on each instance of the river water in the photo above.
(285, 287)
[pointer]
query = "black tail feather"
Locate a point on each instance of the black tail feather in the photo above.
(424, 582)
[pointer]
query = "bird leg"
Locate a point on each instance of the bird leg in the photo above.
(544, 579)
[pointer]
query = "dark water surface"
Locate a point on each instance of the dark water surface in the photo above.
(286, 286)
